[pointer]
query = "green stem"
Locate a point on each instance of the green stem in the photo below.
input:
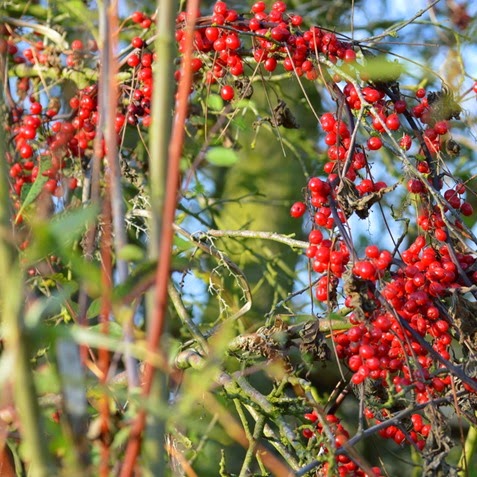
(468, 451)
(162, 107)
(15, 336)
(253, 440)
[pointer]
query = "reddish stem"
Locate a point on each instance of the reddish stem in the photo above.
(167, 233)
(107, 284)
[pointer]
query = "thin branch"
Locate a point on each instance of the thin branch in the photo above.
(395, 28)
(287, 240)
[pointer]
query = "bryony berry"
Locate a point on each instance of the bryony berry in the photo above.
(297, 209)
(227, 92)
(375, 143)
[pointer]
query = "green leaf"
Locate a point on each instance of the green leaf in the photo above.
(71, 224)
(94, 308)
(35, 190)
(115, 330)
(182, 244)
(221, 156)
(381, 69)
(79, 12)
(131, 253)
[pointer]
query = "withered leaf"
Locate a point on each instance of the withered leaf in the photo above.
(350, 200)
(282, 116)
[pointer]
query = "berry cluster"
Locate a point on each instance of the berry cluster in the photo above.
(415, 431)
(345, 467)
(400, 327)
(276, 39)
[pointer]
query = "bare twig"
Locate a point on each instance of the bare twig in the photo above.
(275, 237)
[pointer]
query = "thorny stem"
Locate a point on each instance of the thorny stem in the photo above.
(185, 318)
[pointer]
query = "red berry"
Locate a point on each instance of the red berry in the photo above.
(400, 106)
(297, 209)
(50, 185)
(35, 108)
(371, 95)
(415, 186)
(420, 93)
(318, 187)
(310, 252)
(26, 151)
(72, 183)
(311, 416)
(365, 270)
(441, 235)
(315, 237)
(375, 143)
(366, 351)
(133, 60)
(220, 8)
(279, 6)
(146, 23)
(466, 209)
(196, 64)
(77, 45)
(74, 102)
(327, 122)
(258, 7)
(392, 122)
(137, 17)
(270, 64)
(212, 33)
(441, 127)
(372, 251)
(137, 42)
(232, 41)
(227, 92)
(15, 170)
(349, 56)
(355, 362)
(406, 142)
(279, 33)
(423, 167)
(296, 20)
